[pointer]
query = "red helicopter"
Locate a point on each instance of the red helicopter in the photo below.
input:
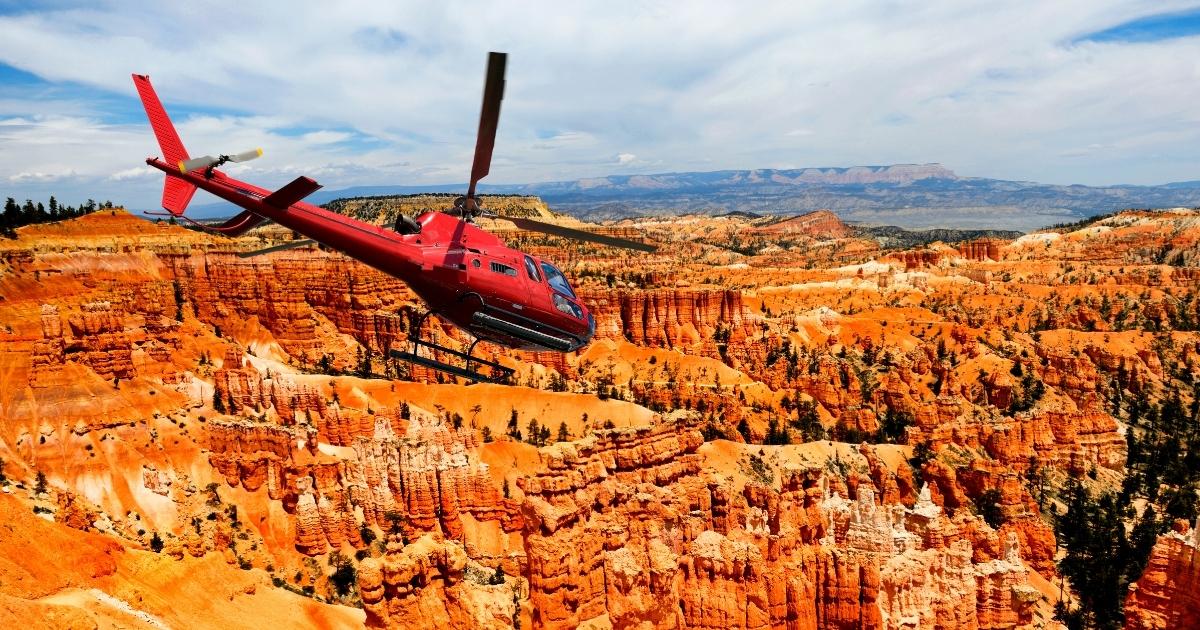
(463, 273)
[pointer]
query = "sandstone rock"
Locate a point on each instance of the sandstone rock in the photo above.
(422, 585)
(1167, 595)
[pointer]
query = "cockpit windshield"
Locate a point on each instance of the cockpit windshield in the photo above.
(557, 279)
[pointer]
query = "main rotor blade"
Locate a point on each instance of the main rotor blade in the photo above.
(277, 248)
(489, 119)
(576, 235)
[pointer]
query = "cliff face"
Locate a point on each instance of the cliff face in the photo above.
(688, 319)
(1168, 593)
(305, 301)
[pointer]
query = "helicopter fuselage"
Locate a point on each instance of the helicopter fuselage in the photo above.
(464, 274)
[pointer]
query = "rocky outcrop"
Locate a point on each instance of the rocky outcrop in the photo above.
(699, 321)
(99, 341)
(621, 524)
(982, 249)
(239, 388)
(935, 255)
(1168, 593)
(821, 224)
(48, 354)
(431, 584)
(304, 300)
(420, 470)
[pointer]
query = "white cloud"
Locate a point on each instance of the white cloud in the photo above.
(326, 137)
(137, 172)
(37, 176)
(390, 94)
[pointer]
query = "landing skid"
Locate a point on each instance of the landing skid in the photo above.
(496, 373)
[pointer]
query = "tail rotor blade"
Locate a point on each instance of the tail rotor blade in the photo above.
(205, 161)
(489, 119)
(576, 235)
(246, 156)
(208, 160)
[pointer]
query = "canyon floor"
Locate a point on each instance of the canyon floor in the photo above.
(780, 424)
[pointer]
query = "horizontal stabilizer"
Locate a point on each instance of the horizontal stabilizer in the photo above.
(298, 189)
(240, 224)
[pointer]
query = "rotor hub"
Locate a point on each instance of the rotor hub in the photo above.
(468, 207)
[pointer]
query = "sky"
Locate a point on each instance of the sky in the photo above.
(369, 93)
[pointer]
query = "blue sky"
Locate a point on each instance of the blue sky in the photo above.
(1150, 28)
(1094, 92)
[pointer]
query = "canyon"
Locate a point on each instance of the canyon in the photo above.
(780, 424)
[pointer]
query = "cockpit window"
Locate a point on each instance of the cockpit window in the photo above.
(532, 270)
(557, 279)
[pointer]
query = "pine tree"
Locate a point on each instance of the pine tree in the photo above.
(922, 453)
(344, 574)
(775, 434)
(988, 506)
(364, 362)
(1141, 540)
(512, 431)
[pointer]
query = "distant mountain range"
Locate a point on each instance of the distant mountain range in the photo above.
(907, 195)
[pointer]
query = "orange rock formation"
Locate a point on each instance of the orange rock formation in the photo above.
(1168, 593)
(170, 390)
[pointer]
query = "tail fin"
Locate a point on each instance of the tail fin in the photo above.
(176, 192)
